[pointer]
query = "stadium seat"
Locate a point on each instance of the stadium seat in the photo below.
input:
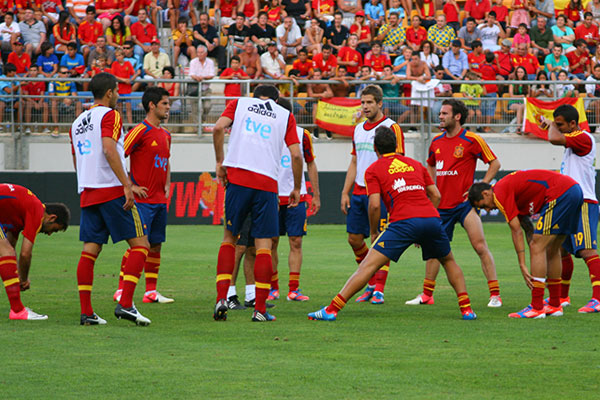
(302, 102)
(457, 95)
(461, 16)
(288, 68)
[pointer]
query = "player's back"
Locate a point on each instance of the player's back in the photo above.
(15, 203)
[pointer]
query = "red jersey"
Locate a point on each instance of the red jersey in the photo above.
(20, 211)
(325, 66)
(416, 36)
(427, 9)
(574, 59)
(529, 62)
(450, 13)
(304, 67)
(67, 33)
(348, 54)
(227, 8)
(377, 62)
(476, 61)
(401, 182)
(587, 34)
(364, 32)
(22, 62)
(323, 6)
(478, 9)
(526, 192)
(249, 9)
(501, 12)
(124, 71)
(149, 149)
(505, 62)
(144, 34)
(34, 89)
(108, 4)
(139, 4)
(572, 13)
(50, 6)
(89, 33)
(455, 160)
(233, 89)
(488, 73)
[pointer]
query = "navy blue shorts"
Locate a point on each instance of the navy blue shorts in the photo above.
(561, 216)
(357, 220)
(263, 206)
(155, 218)
(399, 235)
(245, 239)
(292, 221)
(100, 220)
(586, 237)
(453, 215)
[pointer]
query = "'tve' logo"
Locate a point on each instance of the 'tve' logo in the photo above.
(84, 147)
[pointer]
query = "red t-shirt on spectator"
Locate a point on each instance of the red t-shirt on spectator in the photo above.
(108, 4)
(22, 63)
(416, 36)
(574, 59)
(89, 33)
(501, 12)
(478, 10)
(364, 33)
(328, 65)
(124, 71)
(144, 34)
(505, 62)
(227, 8)
(377, 62)
(324, 6)
(529, 62)
(233, 89)
(587, 34)
(475, 61)
(303, 67)
(139, 4)
(488, 73)
(347, 54)
(450, 13)
(34, 89)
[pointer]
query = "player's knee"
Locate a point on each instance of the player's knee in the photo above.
(155, 247)
(481, 248)
(355, 241)
(295, 242)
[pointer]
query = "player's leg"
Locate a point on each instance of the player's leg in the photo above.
(380, 277)
(554, 276)
(589, 216)
(296, 229)
(155, 217)
(119, 291)
(274, 289)
(357, 226)
(457, 280)
(249, 260)
(233, 301)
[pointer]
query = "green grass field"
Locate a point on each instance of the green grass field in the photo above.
(389, 351)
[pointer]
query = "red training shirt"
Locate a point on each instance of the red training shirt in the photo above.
(22, 63)
(89, 33)
(348, 54)
(20, 210)
(377, 62)
(124, 71)
(417, 37)
(305, 68)
(328, 65)
(144, 34)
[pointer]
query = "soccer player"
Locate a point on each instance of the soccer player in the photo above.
(259, 128)
(453, 156)
(558, 199)
(410, 195)
(356, 207)
(292, 221)
(107, 200)
(149, 147)
(21, 210)
(578, 162)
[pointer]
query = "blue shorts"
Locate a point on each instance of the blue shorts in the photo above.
(263, 206)
(427, 232)
(292, 221)
(453, 215)
(357, 220)
(245, 239)
(155, 218)
(100, 220)
(561, 216)
(488, 107)
(586, 236)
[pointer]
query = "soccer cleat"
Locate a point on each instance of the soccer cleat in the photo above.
(593, 306)
(27, 314)
(117, 295)
(251, 303)
(322, 315)
(221, 308)
(377, 297)
(257, 316)
(553, 311)
(366, 296)
(155, 297)
(564, 301)
(131, 314)
(233, 303)
(296, 295)
(468, 314)
(421, 299)
(528, 312)
(93, 319)
(273, 294)
(495, 301)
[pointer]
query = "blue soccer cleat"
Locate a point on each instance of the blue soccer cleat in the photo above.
(366, 296)
(377, 298)
(322, 315)
(468, 315)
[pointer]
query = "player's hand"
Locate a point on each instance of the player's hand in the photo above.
(528, 278)
(345, 203)
(294, 198)
(129, 199)
(140, 191)
(25, 285)
(315, 205)
(221, 174)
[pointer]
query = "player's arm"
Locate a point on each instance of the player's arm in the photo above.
(554, 135)
(350, 177)
(434, 195)
(519, 243)
(313, 177)
(527, 227)
(432, 171)
(168, 182)
(294, 198)
(109, 147)
(374, 214)
(25, 263)
(218, 141)
(493, 168)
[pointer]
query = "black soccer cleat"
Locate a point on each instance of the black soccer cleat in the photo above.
(93, 319)
(131, 314)
(257, 316)
(221, 308)
(233, 303)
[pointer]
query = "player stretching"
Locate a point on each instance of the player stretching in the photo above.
(292, 221)
(409, 193)
(107, 200)
(149, 147)
(259, 128)
(558, 199)
(356, 207)
(453, 156)
(21, 210)
(578, 163)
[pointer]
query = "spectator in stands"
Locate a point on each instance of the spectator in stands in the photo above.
(100, 65)
(566, 89)
(502, 14)
(323, 10)
(289, 37)
(542, 40)
(64, 32)
(337, 34)
(181, 8)
(489, 71)
(125, 74)
(476, 58)
(317, 91)
(107, 10)
(272, 63)
(235, 72)
(376, 58)
(452, 13)
(363, 31)
(208, 36)
(47, 61)
(229, 12)
(341, 89)
(574, 11)
(469, 33)
(504, 59)
(50, 10)
(78, 9)
(73, 61)
(392, 106)
(520, 14)
(417, 69)
(9, 31)
(274, 13)
(526, 60)
(326, 62)
(349, 9)
(239, 34)
(135, 63)
(442, 90)
(477, 9)
(592, 90)
(522, 37)
(297, 9)
(250, 60)
(426, 11)
(155, 61)
(172, 87)
(250, 9)
(9, 91)
(543, 8)
(519, 90)
(491, 31)
(427, 55)
(117, 33)
(313, 37)
(588, 31)
(366, 73)
(594, 7)
(397, 7)
(303, 65)
(201, 69)
(375, 15)
(33, 33)
(183, 39)
(579, 60)
(133, 7)
(541, 90)
(555, 62)
(19, 58)
(101, 49)
(401, 62)
(563, 34)
(455, 62)
(471, 93)
(61, 104)
(89, 31)
(262, 33)
(441, 35)
(349, 57)
(392, 34)
(34, 103)
(416, 35)
(142, 34)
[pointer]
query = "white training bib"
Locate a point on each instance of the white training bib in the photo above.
(363, 144)
(582, 169)
(286, 175)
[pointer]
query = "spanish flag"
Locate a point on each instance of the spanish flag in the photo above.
(535, 108)
(339, 115)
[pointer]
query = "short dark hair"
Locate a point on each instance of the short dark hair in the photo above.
(394, 13)
(45, 47)
(102, 83)
(170, 69)
(458, 107)
(493, 14)
(62, 212)
(475, 192)
(235, 58)
(182, 20)
(129, 43)
(338, 12)
(285, 103)
(269, 91)
(12, 14)
(568, 112)
(385, 140)
(303, 50)
(489, 56)
(588, 14)
(439, 68)
(154, 95)
(10, 67)
(476, 43)
(72, 45)
(374, 91)
(523, 25)
(471, 19)
(376, 43)
(90, 9)
(579, 42)
(260, 14)
(327, 47)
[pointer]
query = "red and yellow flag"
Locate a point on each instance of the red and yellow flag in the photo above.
(535, 108)
(338, 115)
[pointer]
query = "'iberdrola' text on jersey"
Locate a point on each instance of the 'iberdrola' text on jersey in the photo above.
(260, 129)
(362, 148)
(579, 162)
(286, 176)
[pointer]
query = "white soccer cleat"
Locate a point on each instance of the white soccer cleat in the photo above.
(117, 295)
(155, 297)
(495, 301)
(27, 314)
(420, 299)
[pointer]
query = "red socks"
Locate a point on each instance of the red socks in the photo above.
(381, 277)
(294, 281)
(225, 264)
(593, 264)
(464, 302)
(554, 288)
(537, 293)
(151, 270)
(360, 253)
(10, 278)
(122, 273)
(274, 280)
(85, 280)
(567, 273)
(133, 270)
(494, 288)
(263, 269)
(428, 287)
(337, 304)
